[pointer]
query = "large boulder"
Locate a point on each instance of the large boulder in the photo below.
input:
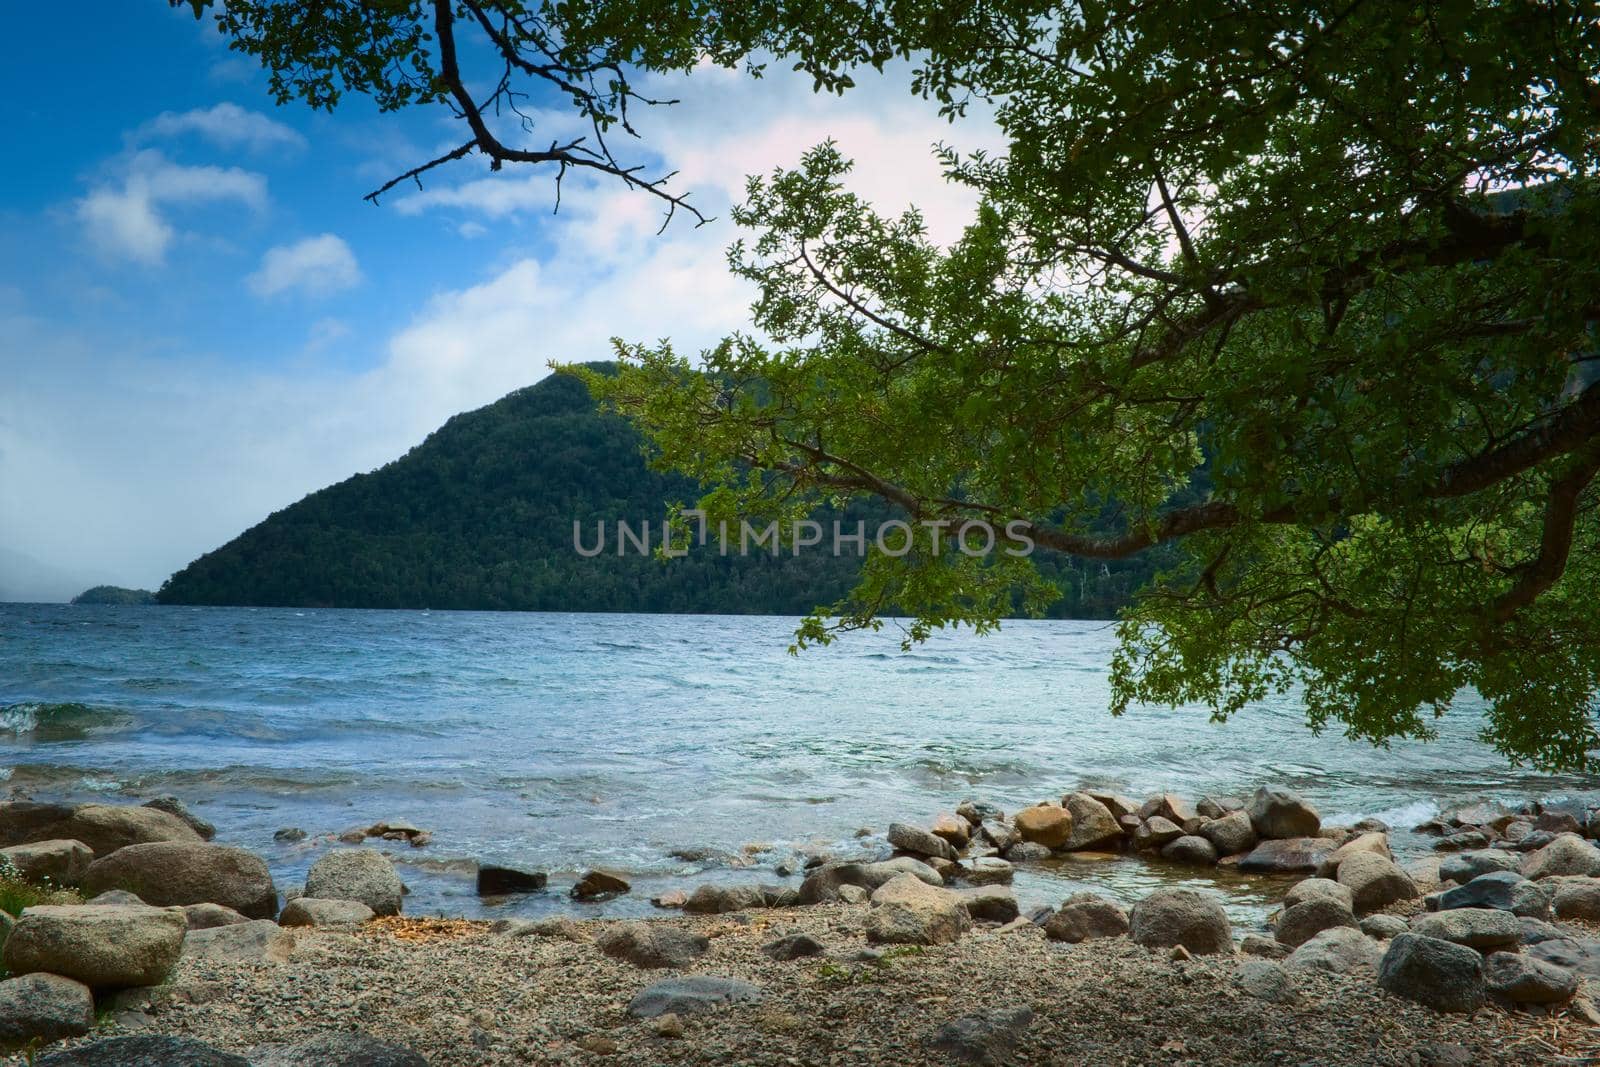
(1002, 835)
(1186, 917)
(100, 946)
(989, 903)
(1463, 867)
(209, 916)
(175, 807)
(1044, 824)
(153, 1050)
(1190, 849)
(1441, 974)
(1093, 824)
(1267, 980)
(1374, 843)
(1317, 889)
(1567, 854)
(691, 994)
(988, 870)
(312, 911)
(1337, 950)
(1086, 917)
(989, 1037)
(1276, 812)
(1168, 806)
(1303, 921)
(44, 1006)
(906, 910)
(1155, 832)
(596, 885)
(1230, 834)
(824, 883)
(721, 899)
(1288, 855)
(1577, 898)
(1479, 928)
(1504, 890)
(920, 842)
(257, 941)
(56, 862)
(1522, 979)
(103, 827)
(954, 830)
(165, 873)
(1374, 881)
(497, 881)
(362, 874)
(652, 946)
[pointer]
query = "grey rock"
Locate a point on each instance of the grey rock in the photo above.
(1374, 881)
(1094, 826)
(827, 882)
(1155, 832)
(920, 842)
(1353, 843)
(115, 898)
(175, 807)
(988, 870)
(1186, 917)
(99, 945)
(1306, 920)
(289, 835)
(1576, 954)
(978, 812)
(1479, 928)
(336, 1050)
(207, 916)
(497, 881)
(1535, 840)
(1231, 833)
(166, 873)
(692, 994)
(1443, 975)
(1462, 841)
(1264, 947)
(1216, 807)
(44, 1006)
(103, 827)
(722, 899)
(1384, 927)
(989, 1038)
(145, 1050)
(1191, 849)
(1002, 835)
(61, 863)
(1086, 917)
(1463, 867)
(361, 874)
(1339, 950)
(1288, 855)
(1276, 812)
(1502, 890)
(1523, 979)
(257, 941)
(314, 911)
(652, 946)
(1566, 854)
(1026, 851)
(793, 947)
(1319, 889)
(1577, 898)
(906, 910)
(1266, 980)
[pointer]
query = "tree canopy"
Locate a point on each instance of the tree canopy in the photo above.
(1305, 289)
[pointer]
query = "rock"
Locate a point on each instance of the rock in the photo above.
(1373, 843)
(669, 1025)
(1215, 807)
(1503, 890)
(115, 897)
(1375, 881)
(1027, 851)
(1383, 927)
(289, 835)
(1093, 824)
(1537, 930)
(1479, 928)
(1155, 832)
(1535, 840)
(1268, 981)
(989, 870)
(1522, 979)
(1230, 834)
(99, 945)
(336, 1050)
(1578, 898)
(103, 827)
(1338, 950)
(362, 874)
(1288, 855)
(672, 898)
(496, 881)
(599, 885)
(1168, 806)
(1306, 920)
(999, 834)
(1567, 854)
(165, 873)
(1276, 813)
(1265, 947)
(1118, 805)
(989, 1038)
(148, 1050)
(722, 899)
(793, 947)
(1184, 917)
(829, 881)
(978, 812)
(175, 807)
(853, 894)
(1558, 822)
(692, 994)
(1480, 814)
(651, 946)
(1463, 867)
(210, 916)
(1443, 975)
(258, 941)
(1516, 831)
(1191, 849)
(919, 842)
(1580, 955)
(906, 910)
(1465, 841)
(1319, 889)
(1044, 824)
(57, 862)
(989, 903)
(954, 830)
(315, 911)
(44, 1006)
(1086, 917)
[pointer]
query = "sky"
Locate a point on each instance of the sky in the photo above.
(201, 320)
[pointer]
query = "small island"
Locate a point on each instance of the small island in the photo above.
(114, 594)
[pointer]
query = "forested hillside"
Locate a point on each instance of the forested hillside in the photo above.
(479, 516)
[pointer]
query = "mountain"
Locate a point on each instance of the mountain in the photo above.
(480, 516)
(114, 594)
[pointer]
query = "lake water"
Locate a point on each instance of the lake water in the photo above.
(558, 742)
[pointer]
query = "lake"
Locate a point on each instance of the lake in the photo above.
(559, 742)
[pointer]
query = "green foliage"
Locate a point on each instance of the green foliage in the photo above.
(16, 892)
(1301, 293)
(114, 594)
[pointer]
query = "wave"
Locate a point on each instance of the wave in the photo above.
(42, 721)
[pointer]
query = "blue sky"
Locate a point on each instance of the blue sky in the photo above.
(201, 320)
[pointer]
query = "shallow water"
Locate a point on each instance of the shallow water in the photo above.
(558, 742)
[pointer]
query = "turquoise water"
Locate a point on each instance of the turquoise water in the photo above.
(559, 742)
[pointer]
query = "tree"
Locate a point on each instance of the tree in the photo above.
(1307, 290)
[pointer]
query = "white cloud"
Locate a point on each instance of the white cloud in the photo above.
(122, 218)
(313, 266)
(226, 125)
